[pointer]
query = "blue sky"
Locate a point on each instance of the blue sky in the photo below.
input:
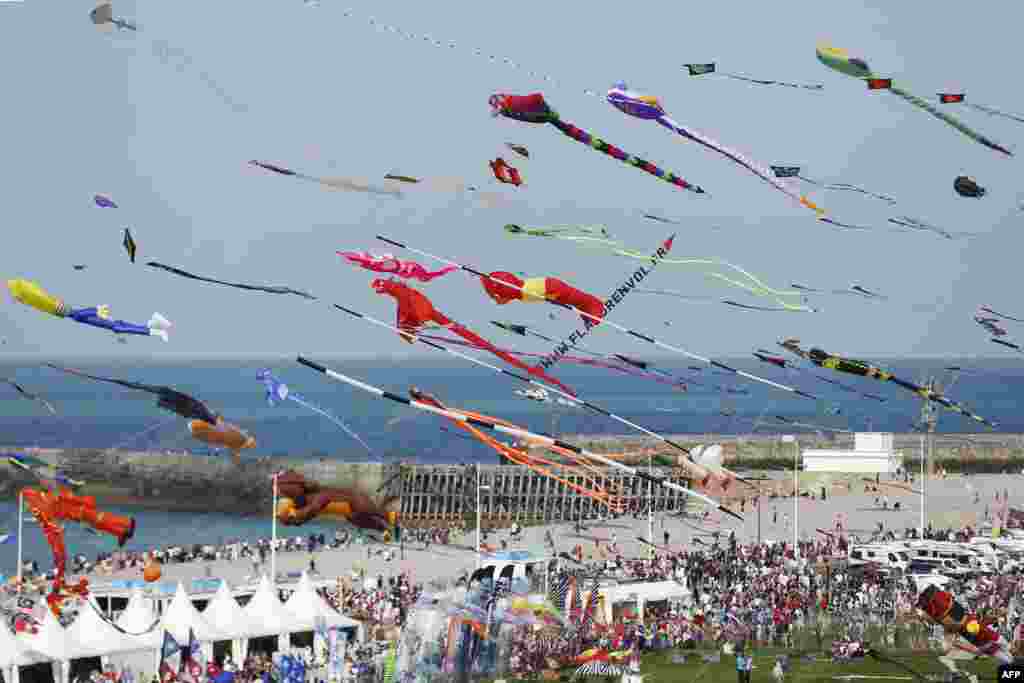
(307, 87)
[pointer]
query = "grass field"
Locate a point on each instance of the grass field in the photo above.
(658, 668)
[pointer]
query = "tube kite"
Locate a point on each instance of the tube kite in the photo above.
(648, 107)
(961, 98)
(29, 395)
(416, 311)
(331, 183)
(1009, 345)
(625, 330)
(496, 285)
(990, 324)
(533, 109)
(861, 368)
(389, 264)
(504, 173)
(277, 392)
(237, 285)
(222, 434)
(31, 294)
(915, 224)
(841, 61)
(710, 68)
(494, 425)
(966, 187)
(986, 309)
(167, 398)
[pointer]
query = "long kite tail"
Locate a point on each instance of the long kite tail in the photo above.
(601, 146)
(481, 343)
(950, 120)
(759, 81)
(752, 166)
(992, 111)
(320, 411)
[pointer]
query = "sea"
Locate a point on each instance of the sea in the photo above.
(97, 415)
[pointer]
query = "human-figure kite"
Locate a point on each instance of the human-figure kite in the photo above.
(301, 500)
(967, 634)
(31, 294)
(533, 109)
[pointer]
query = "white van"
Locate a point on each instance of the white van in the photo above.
(885, 556)
(962, 555)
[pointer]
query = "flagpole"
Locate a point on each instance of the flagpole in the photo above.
(21, 522)
(273, 535)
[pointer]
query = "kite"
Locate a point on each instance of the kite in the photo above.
(914, 224)
(990, 325)
(31, 294)
(503, 287)
(129, 244)
(332, 183)
(238, 285)
(863, 369)
(79, 266)
(648, 107)
(943, 609)
(511, 430)
(103, 14)
(533, 109)
(167, 398)
(278, 392)
(401, 178)
(301, 501)
(794, 172)
(387, 263)
(222, 434)
(808, 425)
(961, 98)
(30, 396)
(518, 149)
(49, 508)
(768, 357)
(1010, 345)
(565, 232)
(986, 309)
(661, 219)
(505, 173)
(104, 202)
(860, 290)
(625, 330)
(755, 290)
(415, 311)
(709, 68)
(841, 61)
(749, 307)
(966, 187)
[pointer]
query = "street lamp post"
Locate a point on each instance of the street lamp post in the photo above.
(273, 535)
(796, 500)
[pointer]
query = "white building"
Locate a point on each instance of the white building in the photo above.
(872, 452)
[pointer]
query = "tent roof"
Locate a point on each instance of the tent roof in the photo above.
(268, 614)
(224, 614)
(306, 604)
(138, 615)
(51, 642)
(92, 636)
(12, 650)
(181, 615)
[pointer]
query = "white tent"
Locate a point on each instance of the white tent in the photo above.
(225, 615)
(92, 636)
(139, 617)
(269, 616)
(181, 615)
(306, 604)
(50, 644)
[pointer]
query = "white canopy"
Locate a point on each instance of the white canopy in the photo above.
(50, 643)
(12, 651)
(181, 615)
(267, 613)
(139, 615)
(306, 604)
(225, 615)
(92, 636)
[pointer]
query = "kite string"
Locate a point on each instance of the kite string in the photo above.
(316, 409)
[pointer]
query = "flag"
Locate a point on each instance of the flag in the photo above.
(786, 171)
(129, 244)
(700, 69)
(879, 83)
(558, 591)
(192, 666)
(951, 98)
(170, 658)
(577, 600)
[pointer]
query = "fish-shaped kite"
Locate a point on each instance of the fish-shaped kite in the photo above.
(648, 107)
(388, 263)
(31, 294)
(533, 109)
